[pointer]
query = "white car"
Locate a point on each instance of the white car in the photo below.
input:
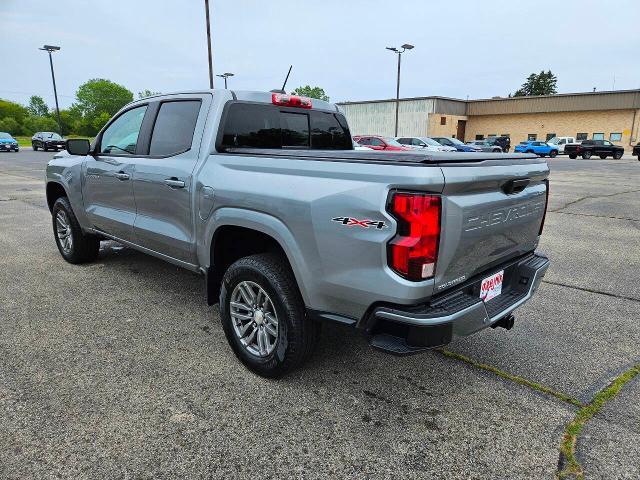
(424, 143)
(560, 142)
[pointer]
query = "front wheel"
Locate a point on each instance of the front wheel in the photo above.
(573, 156)
(586, 155)
(553, 153)
(617, 155)
(263, 315)
(74, 245)
(35, 147)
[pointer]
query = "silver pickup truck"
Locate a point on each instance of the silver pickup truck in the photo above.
(264, 195)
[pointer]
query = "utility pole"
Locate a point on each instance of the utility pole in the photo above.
(49, 49)
(404, 47)
(206, 6)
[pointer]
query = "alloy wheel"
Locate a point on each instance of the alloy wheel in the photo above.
(255, 321)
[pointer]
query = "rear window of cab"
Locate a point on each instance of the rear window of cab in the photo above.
(265, 126)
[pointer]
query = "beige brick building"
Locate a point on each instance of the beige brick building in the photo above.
(611, 115)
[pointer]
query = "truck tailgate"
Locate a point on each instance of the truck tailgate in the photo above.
(491, 213)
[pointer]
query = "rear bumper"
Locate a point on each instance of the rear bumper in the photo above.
(402, 330)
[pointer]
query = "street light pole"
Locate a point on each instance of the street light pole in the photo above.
(404, 47)
(206, 6)
(49, 49)
(225, 76)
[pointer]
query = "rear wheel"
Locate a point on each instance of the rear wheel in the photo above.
(263, 315)
(74, 245)
(573, 156)
(553, 153)
(617, 155)
(586, 155)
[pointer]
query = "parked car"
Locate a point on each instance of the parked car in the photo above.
(457, 144)
(602, 148)
(561, 142)
(636, 151)
(377, 142)
(357, 146)
(539, 148)
(8, 143)
(485, 146)
(47, 141)
(424, 143)
(502, 141)
(408, 248)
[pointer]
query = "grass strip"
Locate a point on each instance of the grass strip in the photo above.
(568, 445)
(514, 378)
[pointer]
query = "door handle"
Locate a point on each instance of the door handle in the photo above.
(174, 182)
(122, 176)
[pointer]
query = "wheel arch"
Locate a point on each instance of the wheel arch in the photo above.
(54, 191)
(237, 233)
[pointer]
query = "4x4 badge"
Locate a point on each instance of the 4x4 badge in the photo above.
(354, 222)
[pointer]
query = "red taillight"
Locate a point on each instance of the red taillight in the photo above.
(290, 100)
(414, 250)
(546, 204)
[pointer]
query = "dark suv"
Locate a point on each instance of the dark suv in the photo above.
(47, 141)
(503, 142)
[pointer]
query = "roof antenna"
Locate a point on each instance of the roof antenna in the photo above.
(285, 82)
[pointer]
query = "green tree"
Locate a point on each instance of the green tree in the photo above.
(311, 92)
(37, 106)
(147, 93)
(543, 83)
(14, 110)
(10, 125)
(101, 96)
(33, 124)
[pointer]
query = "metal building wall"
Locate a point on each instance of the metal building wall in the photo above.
(378, 118)
(619, 100)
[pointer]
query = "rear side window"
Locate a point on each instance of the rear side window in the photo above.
(329, 132)
(265, 126)
(174, 127)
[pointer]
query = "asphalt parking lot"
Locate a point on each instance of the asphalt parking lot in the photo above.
(118, 369)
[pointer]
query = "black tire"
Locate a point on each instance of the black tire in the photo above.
(617, 155)
(586, 155)
(44, 147)
(35, 147)
(297, 334)
(573, 156)
(83, 247)
(553, 153)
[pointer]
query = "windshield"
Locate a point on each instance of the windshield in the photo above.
(392, 141)
(553, 141)
(455, 141)
(53, 136)
(430, 141)
(5, 135)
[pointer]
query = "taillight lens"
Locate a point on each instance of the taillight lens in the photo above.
(414, 250)
(284, 100)
(546, 205)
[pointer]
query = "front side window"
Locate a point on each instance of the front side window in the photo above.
(174, 127)
(598, 136)
(607, 143)
(121, 137)
(376, 142)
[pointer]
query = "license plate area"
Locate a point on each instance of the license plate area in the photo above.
(491, 286)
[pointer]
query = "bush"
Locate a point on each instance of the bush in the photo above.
(11, 126)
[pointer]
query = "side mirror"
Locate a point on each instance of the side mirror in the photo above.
(78, 146)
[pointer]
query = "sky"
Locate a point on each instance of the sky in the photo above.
(478, 49)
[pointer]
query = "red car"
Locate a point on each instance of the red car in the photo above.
(380, 143)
